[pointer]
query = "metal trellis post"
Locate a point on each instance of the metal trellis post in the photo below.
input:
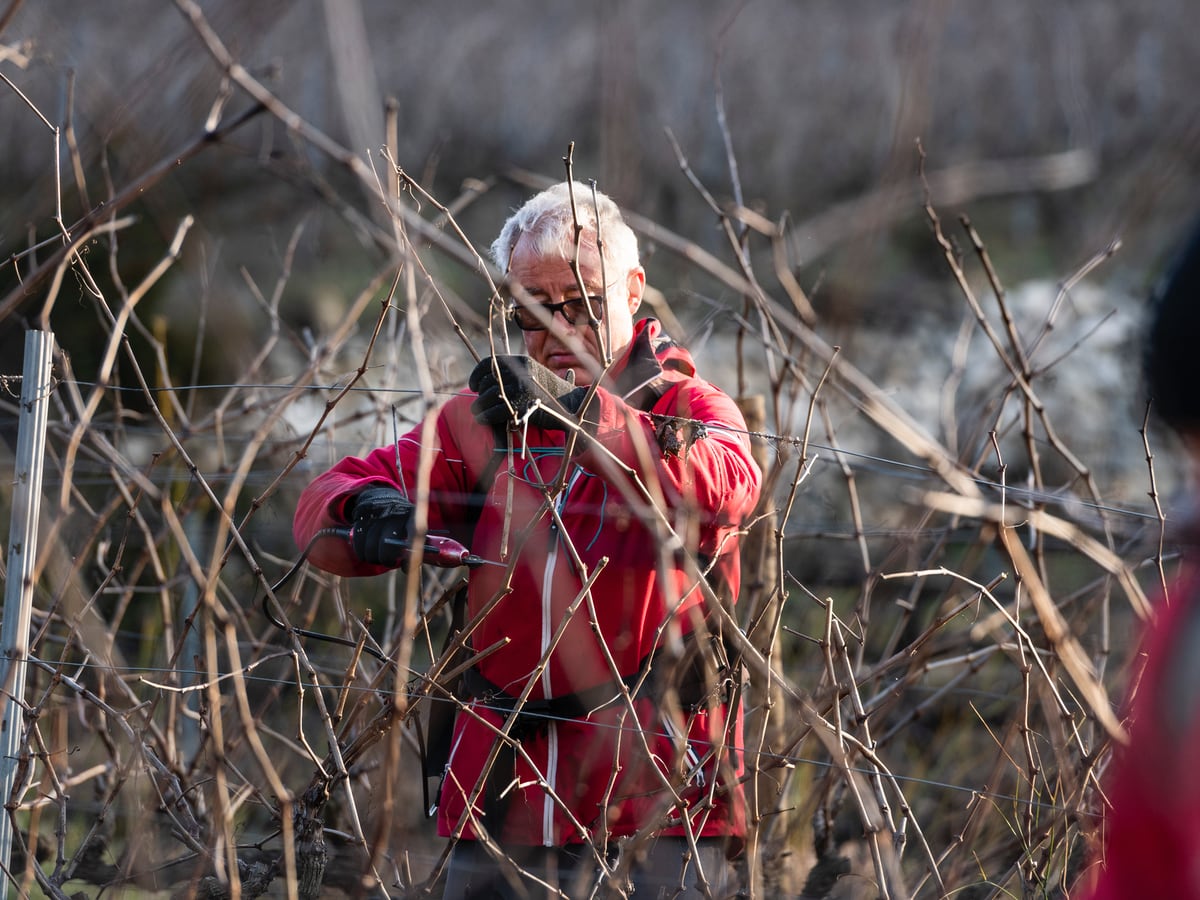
(22, 557)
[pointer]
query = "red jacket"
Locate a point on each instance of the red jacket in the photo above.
(599, 769)
(1152, 831)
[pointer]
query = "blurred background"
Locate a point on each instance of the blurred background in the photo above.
(1059, 126)
(823, 100)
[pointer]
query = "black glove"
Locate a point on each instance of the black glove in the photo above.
(525, 382)
(379, 515)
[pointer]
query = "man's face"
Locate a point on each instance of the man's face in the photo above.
(549, 280)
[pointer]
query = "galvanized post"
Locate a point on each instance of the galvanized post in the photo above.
(22, 558)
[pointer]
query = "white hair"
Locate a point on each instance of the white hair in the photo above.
(546, 219)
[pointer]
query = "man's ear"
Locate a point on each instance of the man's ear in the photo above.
(636, 283)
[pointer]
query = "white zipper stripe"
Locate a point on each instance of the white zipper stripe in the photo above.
(547, 633)
(552, 785)
(548, 579)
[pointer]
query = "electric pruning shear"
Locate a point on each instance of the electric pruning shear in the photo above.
(436, 550)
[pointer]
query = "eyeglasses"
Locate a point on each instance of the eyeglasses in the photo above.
(572, 310)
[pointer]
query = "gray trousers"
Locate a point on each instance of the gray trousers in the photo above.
(544, 872)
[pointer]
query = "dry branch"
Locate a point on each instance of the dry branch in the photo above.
(177, 742)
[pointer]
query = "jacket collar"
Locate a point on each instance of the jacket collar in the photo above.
(641, 379)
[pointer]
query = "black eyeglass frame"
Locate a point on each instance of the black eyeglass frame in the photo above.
(573, 310)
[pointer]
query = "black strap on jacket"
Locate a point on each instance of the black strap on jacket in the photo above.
(533, 717)
(701, 680)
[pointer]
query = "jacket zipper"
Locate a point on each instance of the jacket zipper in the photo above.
(548, 577)
(551, 780)
(547, 690)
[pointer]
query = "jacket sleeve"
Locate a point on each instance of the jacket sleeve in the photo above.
(323, 503)
(692, 448)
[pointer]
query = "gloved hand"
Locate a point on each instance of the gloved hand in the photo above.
(525, 382)
(379, 514)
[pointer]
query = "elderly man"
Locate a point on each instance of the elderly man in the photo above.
(627, 482)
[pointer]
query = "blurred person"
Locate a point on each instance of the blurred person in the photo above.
(574, 501)
(1151, 834)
